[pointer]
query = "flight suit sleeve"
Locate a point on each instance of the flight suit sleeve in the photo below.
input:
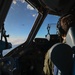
(48, 65)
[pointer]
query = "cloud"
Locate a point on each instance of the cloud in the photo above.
(30, 7)
(16, 41)
(34, 15)
(23, 1)
(14, 1)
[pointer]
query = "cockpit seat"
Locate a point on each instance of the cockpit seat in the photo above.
(70, 40)
(61, 56)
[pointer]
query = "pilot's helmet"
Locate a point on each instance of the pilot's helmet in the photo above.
(65, 22)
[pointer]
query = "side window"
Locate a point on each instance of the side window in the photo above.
(50, 20)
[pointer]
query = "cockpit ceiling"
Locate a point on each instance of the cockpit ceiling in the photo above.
(55, 7)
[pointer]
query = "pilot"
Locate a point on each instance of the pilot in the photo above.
(63, 25)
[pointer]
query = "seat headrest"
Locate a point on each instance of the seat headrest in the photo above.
(61, 56)
(70, 38)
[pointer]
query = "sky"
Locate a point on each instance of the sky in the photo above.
(20, 19)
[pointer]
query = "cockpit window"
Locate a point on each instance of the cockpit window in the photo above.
(19, 21)
(48, 26)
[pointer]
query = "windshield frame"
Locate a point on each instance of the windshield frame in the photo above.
(36, 26)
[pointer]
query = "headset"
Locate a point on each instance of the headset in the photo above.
(59, 27)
